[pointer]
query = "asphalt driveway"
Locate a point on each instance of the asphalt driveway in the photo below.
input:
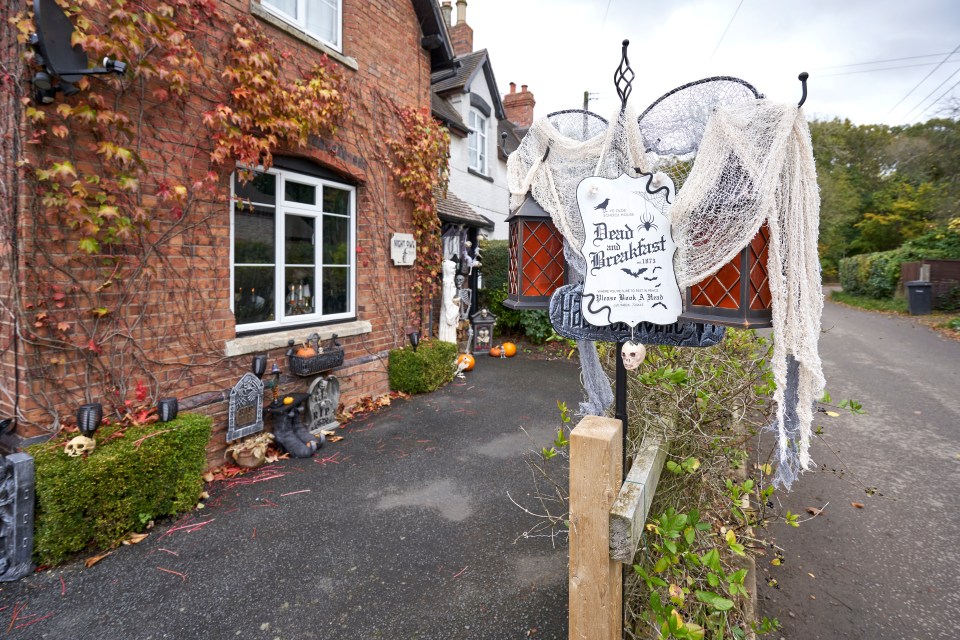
(402, 530)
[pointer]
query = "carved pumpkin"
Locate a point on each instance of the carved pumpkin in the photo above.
(495, 352)
(509, 349)
(468, 359)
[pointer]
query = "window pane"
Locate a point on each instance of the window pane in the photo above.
(253, 294)
(336, 239)
(297, 192)
(335, 289)
(336, 201)
(253, 235)
(261, 189)
(299, 291)
(289, 7)
(323, 19)
(298, 240)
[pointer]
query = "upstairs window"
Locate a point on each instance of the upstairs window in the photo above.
(477, 141)
(292, 251)
(318, 18)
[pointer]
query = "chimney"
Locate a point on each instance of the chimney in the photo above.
(446, 8)
(461, 35)
(519, 106)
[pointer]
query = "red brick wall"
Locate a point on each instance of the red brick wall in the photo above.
(178, 316)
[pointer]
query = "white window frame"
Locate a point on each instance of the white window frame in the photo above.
(281, 209)
(300, 23)
(477, 141)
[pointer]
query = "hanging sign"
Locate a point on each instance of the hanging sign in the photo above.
(629, 250)
(403, 249)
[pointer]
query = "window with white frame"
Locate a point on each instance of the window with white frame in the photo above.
(293, 247)
(318, 18)
(477, 141)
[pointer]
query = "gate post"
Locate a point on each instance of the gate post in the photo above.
(596, 472)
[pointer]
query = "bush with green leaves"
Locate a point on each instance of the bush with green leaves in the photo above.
(427, 369)
(534, 324)
(135, 474)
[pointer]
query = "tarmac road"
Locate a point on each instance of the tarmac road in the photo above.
(890, 569)
(403, 530)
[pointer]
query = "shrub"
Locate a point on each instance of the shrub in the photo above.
(495, 256)
(149, 471)
(535, 325)
(426, 369)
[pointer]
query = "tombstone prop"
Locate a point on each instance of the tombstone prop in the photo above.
(17, 482)
(245, 415)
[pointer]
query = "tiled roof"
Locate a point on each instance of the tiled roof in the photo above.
(443, 110)
(468, 66)
(453, 209)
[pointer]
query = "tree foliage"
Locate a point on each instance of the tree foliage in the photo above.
(881, 186)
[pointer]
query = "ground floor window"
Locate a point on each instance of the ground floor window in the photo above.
(293, 249)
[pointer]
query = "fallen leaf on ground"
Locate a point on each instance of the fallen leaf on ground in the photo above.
(328, 432)
(208, 476)
(334, 438)
(858, 505)
(136, 538)
(814, 511)
(833, 414)
(89, 562)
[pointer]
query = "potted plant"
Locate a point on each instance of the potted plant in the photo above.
(250, 452)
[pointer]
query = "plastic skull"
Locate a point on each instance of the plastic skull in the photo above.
(79, 446)
(633, 354)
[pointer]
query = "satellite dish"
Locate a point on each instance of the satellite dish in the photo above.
(63, 62)
(54, 32)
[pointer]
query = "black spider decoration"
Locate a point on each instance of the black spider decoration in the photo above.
(646, 221)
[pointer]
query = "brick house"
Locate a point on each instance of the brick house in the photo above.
(210, 284)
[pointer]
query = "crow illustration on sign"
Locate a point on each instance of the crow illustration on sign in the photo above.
(628, 250)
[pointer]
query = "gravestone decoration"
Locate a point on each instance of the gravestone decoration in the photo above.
(17, 484)
(245, 416)
(324, 399)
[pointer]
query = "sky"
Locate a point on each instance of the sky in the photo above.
(561, 48)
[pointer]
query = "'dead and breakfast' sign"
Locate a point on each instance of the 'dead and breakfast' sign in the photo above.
(629, 250)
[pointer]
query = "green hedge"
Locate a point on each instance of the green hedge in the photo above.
(876, 275)
(118, 488)
(427, 369)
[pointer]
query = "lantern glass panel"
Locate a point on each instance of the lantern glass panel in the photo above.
(542, 258)
(513, 271)
(722, 290)
(759, 282)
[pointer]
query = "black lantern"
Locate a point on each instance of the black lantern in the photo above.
(89, 417)
(738, 295)
(536, 257)
(275, 372)
(482, 322)
(167, 409)
(414, 337)
(259, 366)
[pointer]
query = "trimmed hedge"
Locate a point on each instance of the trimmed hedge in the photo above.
(876, 275)
(535, 325)
(427, 369)
(94, 501)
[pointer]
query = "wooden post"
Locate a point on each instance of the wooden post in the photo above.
(596, 589)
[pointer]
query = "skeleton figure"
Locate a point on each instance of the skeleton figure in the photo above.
(79, 446)
(633, 354)
(465, 295)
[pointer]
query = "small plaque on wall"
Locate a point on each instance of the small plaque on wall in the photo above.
(403, 249)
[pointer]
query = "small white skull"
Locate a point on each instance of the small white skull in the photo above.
(79, 446)
(633, 354)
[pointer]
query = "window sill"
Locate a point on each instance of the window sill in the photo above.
(286, 27)
(267, 341)
(474, 172)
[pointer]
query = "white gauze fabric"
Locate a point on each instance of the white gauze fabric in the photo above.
(755, 164)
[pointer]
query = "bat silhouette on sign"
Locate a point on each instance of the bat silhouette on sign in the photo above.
(655, 269)
(651, 279)
(658, 304)
(635, 274)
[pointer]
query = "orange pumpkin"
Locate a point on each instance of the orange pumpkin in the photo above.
(495, 352)
(306, 351)
(468, 359)
(509, 349)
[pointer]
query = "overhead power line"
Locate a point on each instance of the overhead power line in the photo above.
(922, 81)
(935, 89)
(724, 34)
(942, 96)
(864, 64)
(902, 66)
